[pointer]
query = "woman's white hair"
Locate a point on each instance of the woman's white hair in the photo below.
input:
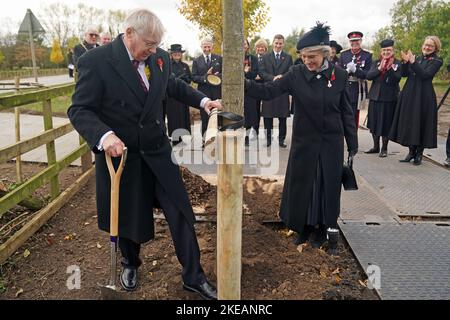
(326, 50)
(145, 22)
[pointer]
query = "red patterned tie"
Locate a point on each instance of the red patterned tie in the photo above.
(141, 81)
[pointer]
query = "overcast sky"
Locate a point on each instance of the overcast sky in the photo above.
(343, 16)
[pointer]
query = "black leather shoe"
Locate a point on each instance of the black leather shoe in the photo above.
(373, 150)
(383, 154)
(128, 278)
(418, 159)
(282, 145)
(320, 237)
(269, 143)
(206, 290)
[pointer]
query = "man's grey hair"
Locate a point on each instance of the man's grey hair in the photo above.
(145, 22)
(91, 29)
(326, 50)
(207, 40)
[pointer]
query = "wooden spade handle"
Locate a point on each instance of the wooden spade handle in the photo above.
(115, 186)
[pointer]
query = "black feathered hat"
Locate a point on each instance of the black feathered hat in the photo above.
(318, 36)
(336, 45)
(387, 43)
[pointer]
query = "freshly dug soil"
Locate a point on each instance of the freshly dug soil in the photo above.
(272, 266)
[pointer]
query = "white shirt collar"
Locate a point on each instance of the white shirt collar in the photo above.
(275, 53)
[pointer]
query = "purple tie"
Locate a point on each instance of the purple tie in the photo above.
(136, 67)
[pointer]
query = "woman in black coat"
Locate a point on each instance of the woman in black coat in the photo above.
(322, 118)
(178, 116)
(252, 111)
(415, 118)
(385, 74)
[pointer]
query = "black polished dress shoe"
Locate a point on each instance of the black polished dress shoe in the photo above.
(128, 278)
(282, 145)
(206, 290)
(373, 150)
(320, 237)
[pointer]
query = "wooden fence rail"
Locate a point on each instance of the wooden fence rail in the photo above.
(48, 175)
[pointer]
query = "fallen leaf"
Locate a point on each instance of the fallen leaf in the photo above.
(301, 247)
(99, 245)
(323, 274)
(51, 235)
(289, 233)
(363, 283)
(155, 262)
(337, 278)
(68, 237)
(336, 271)
(18, 293)
(26, 253)
(86, 223)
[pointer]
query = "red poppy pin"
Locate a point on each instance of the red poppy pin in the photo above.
(333, 77)
(160, 63)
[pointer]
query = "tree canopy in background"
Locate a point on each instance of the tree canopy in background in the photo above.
(412, 21)
(207, 15)
(56, 55)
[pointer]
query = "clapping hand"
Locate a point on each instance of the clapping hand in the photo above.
(412, 57)
(351, 67)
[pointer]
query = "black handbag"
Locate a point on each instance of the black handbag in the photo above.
(348, 175)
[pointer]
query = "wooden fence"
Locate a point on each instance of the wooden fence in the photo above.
(49, 174)
(28, 73)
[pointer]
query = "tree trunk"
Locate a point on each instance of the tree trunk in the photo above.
(231, 149)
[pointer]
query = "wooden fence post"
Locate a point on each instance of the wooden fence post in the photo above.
(86, 159)
(17, 126)
(51, 151)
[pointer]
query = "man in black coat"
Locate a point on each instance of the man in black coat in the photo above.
(274, 65)
(90, 42)
(117, 103)
(204, 65)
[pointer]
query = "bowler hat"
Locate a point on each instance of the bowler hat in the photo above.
(336, 45)
(176, 48)
(387, 43)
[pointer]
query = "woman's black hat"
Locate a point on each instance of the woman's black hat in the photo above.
(318, 36)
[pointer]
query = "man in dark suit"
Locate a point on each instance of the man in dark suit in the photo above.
(274, 65)
(204, 65)
(357, 62)
(117, 103)
(89, 42)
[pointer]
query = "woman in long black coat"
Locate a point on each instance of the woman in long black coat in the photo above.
(415, 119)
(385, 74)
(252, 111)
(178, 116)
(322, 118)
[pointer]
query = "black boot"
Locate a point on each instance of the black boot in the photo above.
(411, 154)
(383, 152)
(418, 156)
(303, 236)
(376, 145)
(333, 238)
(320, 237)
